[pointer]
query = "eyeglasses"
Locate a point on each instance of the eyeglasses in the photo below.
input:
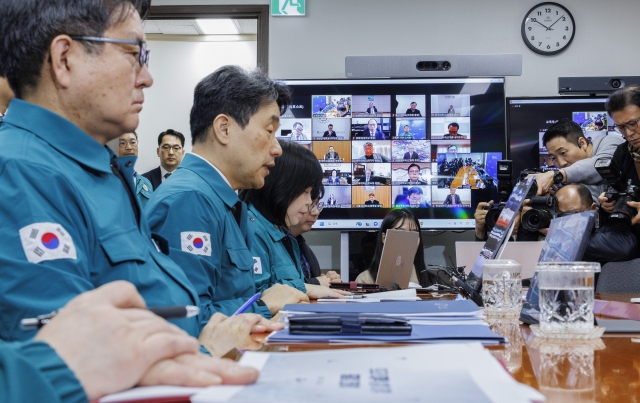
(167, 147)
(319, 206)
(143, 55)
(630, 125)
(132, 143)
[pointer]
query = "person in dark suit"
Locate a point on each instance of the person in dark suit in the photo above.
(414, 194)
(170, 151)
(331, 154)
(414, 175)
(452, 198)
(373, 130)
(367, 178)
(372, 109)
(331, 201)
(330, 132)
(372, 200)
(413, 110)
(411, 153)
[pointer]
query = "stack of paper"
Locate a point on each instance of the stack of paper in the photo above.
(444, 373)
(432, 321)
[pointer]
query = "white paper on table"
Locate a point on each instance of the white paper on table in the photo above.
(444, 372)
(150, 392)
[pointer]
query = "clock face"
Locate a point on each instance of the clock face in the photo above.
(548, 28)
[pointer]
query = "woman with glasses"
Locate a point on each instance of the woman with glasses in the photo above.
(284, 201)
(308, 260)
(624, 108)
(404, 220)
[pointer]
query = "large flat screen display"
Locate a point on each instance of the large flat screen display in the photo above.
(430, 145)
(528, 118)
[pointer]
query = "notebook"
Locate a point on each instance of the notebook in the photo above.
(525, 253)
(396, 263)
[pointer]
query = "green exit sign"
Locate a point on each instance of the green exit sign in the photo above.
(288, 8)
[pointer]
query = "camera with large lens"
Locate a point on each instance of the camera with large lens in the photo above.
(543, 210)
(622, 214)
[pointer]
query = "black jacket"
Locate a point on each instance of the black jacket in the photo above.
(310, 257)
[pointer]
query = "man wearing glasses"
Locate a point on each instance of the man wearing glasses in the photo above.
(70, 220)
(128, 147)
(170, 151)
(575, 157)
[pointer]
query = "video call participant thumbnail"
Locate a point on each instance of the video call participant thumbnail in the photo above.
(371, 130)
(411, 196)
(336, 197)
(368, 154)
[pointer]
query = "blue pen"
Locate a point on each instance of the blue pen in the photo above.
(247, 304)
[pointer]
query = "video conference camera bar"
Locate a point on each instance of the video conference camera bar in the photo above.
(594, 85)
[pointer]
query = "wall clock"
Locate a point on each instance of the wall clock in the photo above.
(548, 28)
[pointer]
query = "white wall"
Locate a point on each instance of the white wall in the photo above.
(314, 46)
(176, 68)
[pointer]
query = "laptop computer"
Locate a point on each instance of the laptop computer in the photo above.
(525, 253)
(396, 263)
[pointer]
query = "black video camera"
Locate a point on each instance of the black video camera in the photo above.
(620, 218)
(505, 187)
(543, 210)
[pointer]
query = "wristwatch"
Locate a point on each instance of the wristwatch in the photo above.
(558, 177)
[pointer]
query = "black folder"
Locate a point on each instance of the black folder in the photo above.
(347, 324)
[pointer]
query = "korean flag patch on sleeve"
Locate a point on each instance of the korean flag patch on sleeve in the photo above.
(47, 241)
(198, 243)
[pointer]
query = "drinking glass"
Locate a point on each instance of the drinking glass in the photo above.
(566, 296)
(502, 288)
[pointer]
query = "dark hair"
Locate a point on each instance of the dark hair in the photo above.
(414, 189)
(454, 124)
(565, 128)
(29, 26)
(395, 219)
(330, 125)
(372, 194)
(171, 132)
(414, 165)
(622, 98)
(297, 169)
(296, 124)
(235, 92)
(135, 134)
(583, 193)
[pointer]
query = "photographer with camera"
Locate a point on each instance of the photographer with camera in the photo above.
(575, 157)
(607, 243)
(624, 108)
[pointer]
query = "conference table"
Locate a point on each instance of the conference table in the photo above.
(601, 370)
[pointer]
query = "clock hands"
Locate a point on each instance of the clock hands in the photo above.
(535, 20)
(555, 23)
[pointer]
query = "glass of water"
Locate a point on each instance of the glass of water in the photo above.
(566, 296)
(502, 288)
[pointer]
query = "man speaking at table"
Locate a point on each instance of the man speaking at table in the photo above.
(234, 118)
(70, 220)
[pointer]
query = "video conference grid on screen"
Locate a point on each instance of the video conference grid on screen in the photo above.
(430, 145)
(529, 118)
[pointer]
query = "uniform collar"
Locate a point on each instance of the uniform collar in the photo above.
(210, 175)
(59, 133)
(274, 232)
